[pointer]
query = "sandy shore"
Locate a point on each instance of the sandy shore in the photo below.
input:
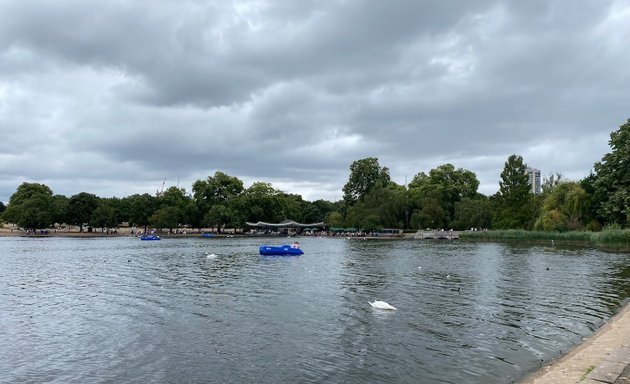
(605, 353)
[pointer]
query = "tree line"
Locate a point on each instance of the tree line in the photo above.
(445, 197)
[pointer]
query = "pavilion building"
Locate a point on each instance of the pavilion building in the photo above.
(287, 227)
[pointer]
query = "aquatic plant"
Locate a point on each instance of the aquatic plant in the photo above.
(610, 237)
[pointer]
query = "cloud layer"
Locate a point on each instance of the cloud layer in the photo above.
(113, 98)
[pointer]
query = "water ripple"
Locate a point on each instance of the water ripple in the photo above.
(121, 310)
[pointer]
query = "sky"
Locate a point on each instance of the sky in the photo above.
(122, 97)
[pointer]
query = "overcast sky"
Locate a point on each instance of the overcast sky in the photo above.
(113, 97)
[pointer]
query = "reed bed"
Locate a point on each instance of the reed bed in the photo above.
(612, 238)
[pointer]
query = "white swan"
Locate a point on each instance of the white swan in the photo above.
(211, 255)
(383, 305)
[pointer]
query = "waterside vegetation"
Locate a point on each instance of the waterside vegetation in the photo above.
(446, 197)
(612, 237)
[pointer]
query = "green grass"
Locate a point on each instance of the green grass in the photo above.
(612, 238)
(588, 370)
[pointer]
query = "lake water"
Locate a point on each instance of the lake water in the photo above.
(121, 310)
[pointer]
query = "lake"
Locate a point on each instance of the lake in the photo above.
(121, 310)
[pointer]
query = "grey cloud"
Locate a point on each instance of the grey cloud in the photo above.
(293, 92)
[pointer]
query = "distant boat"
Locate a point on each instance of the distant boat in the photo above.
(282, 250)
(149, 237)
(207, 235)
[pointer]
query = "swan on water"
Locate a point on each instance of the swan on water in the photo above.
(382, 305)
(211, 255)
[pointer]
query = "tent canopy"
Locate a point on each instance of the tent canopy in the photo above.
(285, 224)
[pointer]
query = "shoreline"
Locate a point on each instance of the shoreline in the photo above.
(126, 232)
(602, 357)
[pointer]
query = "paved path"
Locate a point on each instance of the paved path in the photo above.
(602, 358)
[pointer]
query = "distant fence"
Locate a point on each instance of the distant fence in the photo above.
(448, 235)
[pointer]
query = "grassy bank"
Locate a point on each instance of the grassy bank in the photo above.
(617, 239)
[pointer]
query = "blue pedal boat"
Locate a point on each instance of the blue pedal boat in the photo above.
(150, 237)
(282, 250)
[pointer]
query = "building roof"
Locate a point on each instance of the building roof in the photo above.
(285, 224)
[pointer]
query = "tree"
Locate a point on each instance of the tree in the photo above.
(2, 208)
(447, 185)
(473, 213)
(612, 182)
(324, 208)
(80, 208)
(59, 207)
(365, 175)
(141, 207)
(166, 217)
(30, 206)
(179, 206)
(106, 214)
(261, 202)
(334, 219)
(552, 220)
(566, 208)
(430, 213)
(216, 197)
(515, 206)
(550, 183)
(588, 184)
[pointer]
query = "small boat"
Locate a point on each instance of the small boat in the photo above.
(207, 235)
(149, 237)
(282, 250)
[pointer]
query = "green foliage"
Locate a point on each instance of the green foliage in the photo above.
(141, 207)
(217, 199)
(365, 175)
(612, 181)
(514, 185)
(587, 372)
(610, 237)
(515, 207)
(430, 214)
(59, 207)
(550, 183)
(106, 214)
(334, 219)
(444, 186)
(216, 189)
(323, 208)
(552, 220)
(30, 206)
(473, 213)
(36, 213)
(261, 202)
(524, 235)
(566, 207)
(166, 217)
(382, 207)
(80, 208)
(180, 208)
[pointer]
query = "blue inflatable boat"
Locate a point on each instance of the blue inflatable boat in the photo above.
(150, 237)
(282, 250)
